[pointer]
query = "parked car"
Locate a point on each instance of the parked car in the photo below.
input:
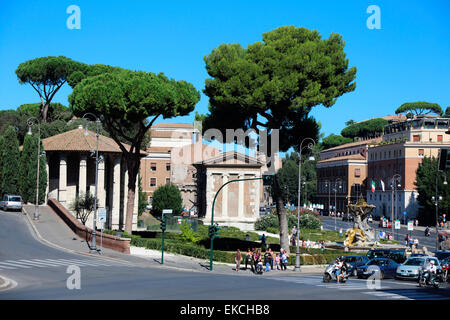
(398, 255)
(387, 268)
(348, 217)
(411, 267)
(263, 211)
(355, 262)
(11, 202)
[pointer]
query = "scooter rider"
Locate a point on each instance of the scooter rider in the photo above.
(427, 232)
(338, 269)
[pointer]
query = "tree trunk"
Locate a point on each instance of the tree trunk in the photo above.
(44, 112)
(281, 212)
(133, 169)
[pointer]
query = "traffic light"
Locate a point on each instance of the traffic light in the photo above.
(444, 160)
(267, 179)
(213, 231)
(163, 224)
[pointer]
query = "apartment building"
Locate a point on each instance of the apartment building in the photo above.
(342, 174)
(403, 146)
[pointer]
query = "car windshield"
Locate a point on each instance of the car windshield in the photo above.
(375, 262)
(442, 255)
(414, 262)
(376, 254)
(351, 259)
(15, 199)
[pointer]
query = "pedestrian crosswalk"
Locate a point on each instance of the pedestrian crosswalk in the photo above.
(383, 292)
(54, 263)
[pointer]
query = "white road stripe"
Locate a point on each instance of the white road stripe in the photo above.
(51, 261)
(14, 265)
(25, 263)
(86, 262)
(4, 267)
(69, 262)
(46, 264)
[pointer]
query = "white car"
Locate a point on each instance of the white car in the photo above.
(411, 267)
(11, 202)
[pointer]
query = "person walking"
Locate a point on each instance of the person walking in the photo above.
(271, 258)
(267, 260)
(256, 258)
(238, 259)
(277, 261)
(248, 258)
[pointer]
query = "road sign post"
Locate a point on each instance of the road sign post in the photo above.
(101, 215)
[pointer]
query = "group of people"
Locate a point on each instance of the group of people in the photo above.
(260, 261)
(410, 241)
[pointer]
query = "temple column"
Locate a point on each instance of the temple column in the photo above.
(115, 210)
(241, 196)
(62, 188)
(101, 194)
(82, 179)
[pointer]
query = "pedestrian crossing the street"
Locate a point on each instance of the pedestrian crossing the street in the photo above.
(385, 292)
(54, 263)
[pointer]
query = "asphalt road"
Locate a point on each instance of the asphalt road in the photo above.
(41, 273)
(430, 242)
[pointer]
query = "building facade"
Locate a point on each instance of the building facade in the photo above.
(71, 172)
(402, 149)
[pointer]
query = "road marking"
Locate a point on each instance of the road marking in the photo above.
(25, 263)
(51, 261)
(87, 262)
(14, 265)
(45, 264)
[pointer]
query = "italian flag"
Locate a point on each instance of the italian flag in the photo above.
(373, 186)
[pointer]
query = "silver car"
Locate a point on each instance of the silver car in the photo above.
(11, 202)
(411, 267)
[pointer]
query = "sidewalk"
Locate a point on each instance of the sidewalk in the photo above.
(52, 230)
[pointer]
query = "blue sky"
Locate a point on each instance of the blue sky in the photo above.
(406, 60)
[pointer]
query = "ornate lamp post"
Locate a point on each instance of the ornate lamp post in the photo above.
(335, 202)
(396, 178)
(310, 146)
(436, 199)
(86, 133)
(31, 122)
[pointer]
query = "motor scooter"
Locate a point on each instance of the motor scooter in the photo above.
(427, 278)
(330, 274)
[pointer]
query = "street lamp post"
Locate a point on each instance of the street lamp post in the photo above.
(396, 177)
(35, 121)
(436, 199)
(94, 233)
(310, 146)
(328, 184)
(335, 202)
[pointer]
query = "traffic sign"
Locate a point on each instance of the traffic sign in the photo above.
(397, 224)
(101, 215)
(410, 225)
(167, 211)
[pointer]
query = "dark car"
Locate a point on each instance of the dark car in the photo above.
(387, 268)
(348, 217)
(442, 254)
(355, 262)
(398, 255)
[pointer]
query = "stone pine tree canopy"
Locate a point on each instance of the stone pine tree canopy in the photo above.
(274, 84)
(419, 108)
(368, 129)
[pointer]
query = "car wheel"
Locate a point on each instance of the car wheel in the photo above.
(326, 278)
(381, 275)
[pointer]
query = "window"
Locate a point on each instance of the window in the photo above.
(152, 182)
(439, 138)
(416, 137)
(421, 152)
(168, 166)
(153, 166)
(357, 172)
(167, 180)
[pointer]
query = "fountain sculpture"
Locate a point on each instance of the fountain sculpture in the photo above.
(361, 234)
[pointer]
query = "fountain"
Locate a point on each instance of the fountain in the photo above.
(361, 234)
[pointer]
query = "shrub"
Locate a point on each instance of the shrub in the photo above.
(308, 220)
(188, 234)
